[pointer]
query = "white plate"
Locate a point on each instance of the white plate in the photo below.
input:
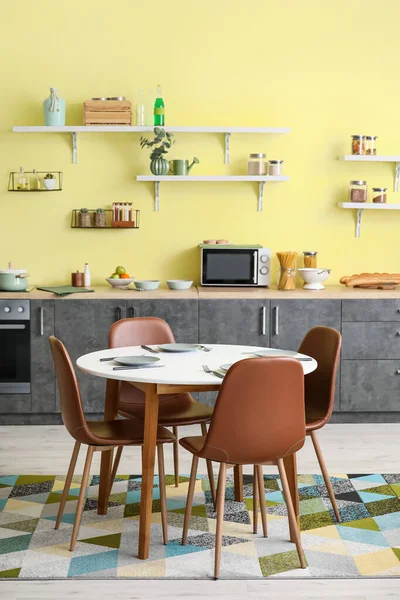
(133, 361)
(226, 366)
(273, 352)
(179, 347)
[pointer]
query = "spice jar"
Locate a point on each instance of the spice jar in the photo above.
(257, 164)
(379, 195)
(310, 260)
(357, 144)
(358, 191)
(275, 167)
(370, 144)
(77, 279)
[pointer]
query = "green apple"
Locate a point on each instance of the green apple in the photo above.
(114, 276)
(120, 270)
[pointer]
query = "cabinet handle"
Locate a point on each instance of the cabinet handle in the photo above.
(398, 310)
(276, 320)
(41, 313)
(132, 312)
(397, 371)
(264, 320)
(119, 313)
(398, 333)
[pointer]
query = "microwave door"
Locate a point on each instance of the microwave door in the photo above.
(230, 267)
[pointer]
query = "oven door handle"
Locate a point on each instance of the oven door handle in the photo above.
(255, 254)
(10, 326)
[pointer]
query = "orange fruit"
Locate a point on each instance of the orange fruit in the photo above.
(124, 276)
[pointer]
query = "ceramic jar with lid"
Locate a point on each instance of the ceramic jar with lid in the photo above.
(358, 191)
(257, 164)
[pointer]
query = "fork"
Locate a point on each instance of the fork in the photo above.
(205, 349)
(207, 369)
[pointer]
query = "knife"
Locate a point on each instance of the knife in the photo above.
(139, 367)
(149, 349)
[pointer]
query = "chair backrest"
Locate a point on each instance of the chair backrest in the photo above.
(259, 414)
(323, 344)
(70, 396)
(138, 331)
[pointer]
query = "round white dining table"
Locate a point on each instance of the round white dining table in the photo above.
(178, 372)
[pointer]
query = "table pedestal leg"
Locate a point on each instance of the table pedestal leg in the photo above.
(238, 482)
(148, 457)
(110, 413)
(290, 463)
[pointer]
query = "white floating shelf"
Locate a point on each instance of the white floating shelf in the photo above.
(260, 179)
(377, 158)
(75, 129)
(360, 206)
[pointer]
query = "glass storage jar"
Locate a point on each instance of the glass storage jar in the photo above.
(275, 167)
(358, 191)
(257, 164)
(357, 144)
(370, 144)
(310, 260)
(379, 195)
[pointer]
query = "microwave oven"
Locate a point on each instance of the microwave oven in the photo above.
(228, 265)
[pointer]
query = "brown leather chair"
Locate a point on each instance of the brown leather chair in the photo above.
(258, 419)
(174, 409)
(323, 344)
(98, 435)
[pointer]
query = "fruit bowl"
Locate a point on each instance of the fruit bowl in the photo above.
(179, 284)
(313, 278)
(119, 283)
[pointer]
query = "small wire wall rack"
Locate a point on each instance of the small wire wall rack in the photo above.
(92, 219)
(30, 179)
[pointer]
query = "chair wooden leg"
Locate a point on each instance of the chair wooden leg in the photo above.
(322, 464)
(291, 513)
(163, 496)
(255, 500)
(220, 517)
(261, 493)
(238, 482)
(115, 467)
(82, 496)
(67, 484)
(210, 471)
(189, 500)
(176, 456)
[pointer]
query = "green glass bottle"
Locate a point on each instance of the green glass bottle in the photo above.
(159, 111)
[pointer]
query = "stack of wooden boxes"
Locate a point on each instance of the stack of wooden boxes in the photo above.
(107, 112)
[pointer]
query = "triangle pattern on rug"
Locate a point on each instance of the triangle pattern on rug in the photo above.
(112, 540)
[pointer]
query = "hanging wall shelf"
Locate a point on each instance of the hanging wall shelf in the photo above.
(361, 206)
(73, 130)
(395, 159)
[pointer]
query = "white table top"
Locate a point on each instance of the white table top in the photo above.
(183, 368)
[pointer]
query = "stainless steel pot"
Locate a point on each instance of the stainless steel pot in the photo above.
(13, 280)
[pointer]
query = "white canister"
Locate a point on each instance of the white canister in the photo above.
(275, 167)
(87, 280)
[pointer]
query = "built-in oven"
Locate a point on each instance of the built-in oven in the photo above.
(15, 347)
(228, 265)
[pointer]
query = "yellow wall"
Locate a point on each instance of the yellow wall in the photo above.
(326, 69)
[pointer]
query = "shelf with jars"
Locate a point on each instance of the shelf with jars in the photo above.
(35, 181)
(121, 216)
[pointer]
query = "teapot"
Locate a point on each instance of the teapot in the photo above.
(182, 167)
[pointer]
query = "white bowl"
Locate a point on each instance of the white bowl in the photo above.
(179, 284)
(119, 283)
(147, 284)
(314, 277)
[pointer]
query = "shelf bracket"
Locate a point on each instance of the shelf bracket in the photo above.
(157, 196)
(260, 196)
(74, 148)
(358, 222)
(397, 177)
(227, 140)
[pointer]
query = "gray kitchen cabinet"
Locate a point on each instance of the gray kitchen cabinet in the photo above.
(181, 315)
(291, 319)
(83, 326)
(370, 386)
(371, 340)
(371, 310)
(42, 366)
(239, 321)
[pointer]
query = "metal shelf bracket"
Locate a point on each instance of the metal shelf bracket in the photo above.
(227, 140)
(260, 196)
(358, 222)
(397, 177)
(74, 148)
(157, 196)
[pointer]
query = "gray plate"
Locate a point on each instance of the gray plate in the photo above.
(145, 361)
(179, 347)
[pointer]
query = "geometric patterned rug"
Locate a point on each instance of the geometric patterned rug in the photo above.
(365, 544)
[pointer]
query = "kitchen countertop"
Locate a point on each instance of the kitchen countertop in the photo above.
(338, 292)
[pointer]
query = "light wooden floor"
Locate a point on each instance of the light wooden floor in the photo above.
(347, 448)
